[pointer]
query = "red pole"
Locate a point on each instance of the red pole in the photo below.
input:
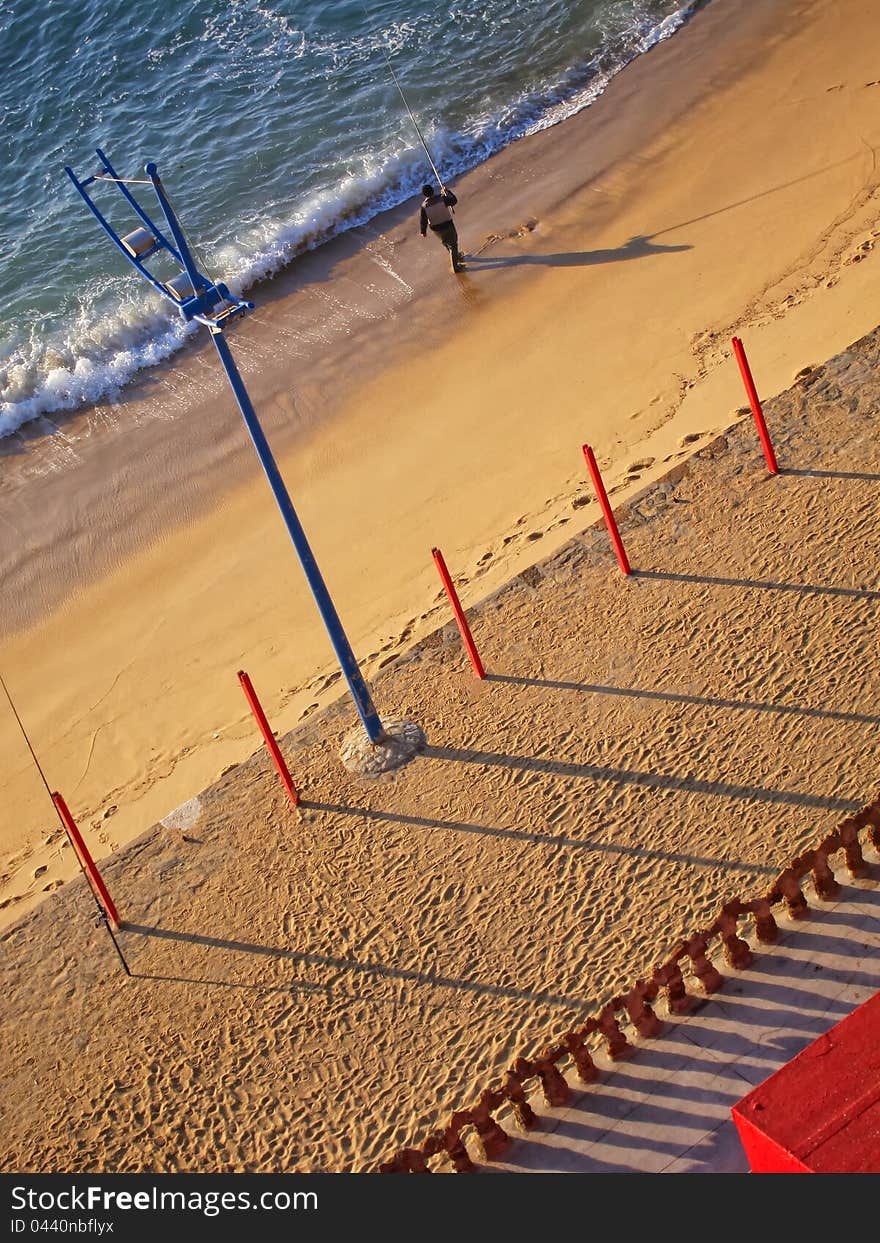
(758, 413)
(269, 737)
(86, 861)
(463, 626)
(607, 510)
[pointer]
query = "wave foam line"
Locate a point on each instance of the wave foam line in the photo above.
(106, 355)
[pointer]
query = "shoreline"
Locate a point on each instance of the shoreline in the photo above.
(327, 300)
(324, 210)
(652, 152)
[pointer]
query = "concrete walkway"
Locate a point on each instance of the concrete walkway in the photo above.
(666, 1109)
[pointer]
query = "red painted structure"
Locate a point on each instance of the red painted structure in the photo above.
(87, 863)
(269, 737)
(602, 496)
(464, 628)
(757, 412)
(820, 1113)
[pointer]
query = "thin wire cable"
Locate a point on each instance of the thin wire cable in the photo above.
(405, 104)
(125, 181)
(103, 914)
(25, 737)
(197, 251)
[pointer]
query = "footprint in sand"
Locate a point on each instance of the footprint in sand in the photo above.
(862, 253)
(690, 438)
(528, 226)
(641, 464)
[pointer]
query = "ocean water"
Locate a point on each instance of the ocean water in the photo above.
(276, 124)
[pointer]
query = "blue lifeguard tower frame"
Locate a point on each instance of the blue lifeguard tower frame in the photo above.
(210, 303)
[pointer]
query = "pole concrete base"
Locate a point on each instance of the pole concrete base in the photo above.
(403, 739)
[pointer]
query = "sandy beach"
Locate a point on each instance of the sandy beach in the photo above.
(726, 183)
(313, 989)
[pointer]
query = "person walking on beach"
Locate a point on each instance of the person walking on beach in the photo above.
(437, 216)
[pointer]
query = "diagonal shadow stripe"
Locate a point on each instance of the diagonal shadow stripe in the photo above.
(541, 839)
(703, 701)
(295, 986)
(654, 781)
(360, 968)
(506, 1164)
(830, 474)
(806, 589)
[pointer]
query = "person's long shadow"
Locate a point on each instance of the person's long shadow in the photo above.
(639, 247)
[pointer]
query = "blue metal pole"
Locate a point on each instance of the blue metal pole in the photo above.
(350, 670)
(199, 282)
(206, 298)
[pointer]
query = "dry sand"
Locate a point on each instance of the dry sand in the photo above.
(313, 989)
(420, 410)
(381, 954)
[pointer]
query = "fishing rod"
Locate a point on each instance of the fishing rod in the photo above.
(102, 914)
(406, 104)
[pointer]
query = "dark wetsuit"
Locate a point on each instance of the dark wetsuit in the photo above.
(436, 216)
